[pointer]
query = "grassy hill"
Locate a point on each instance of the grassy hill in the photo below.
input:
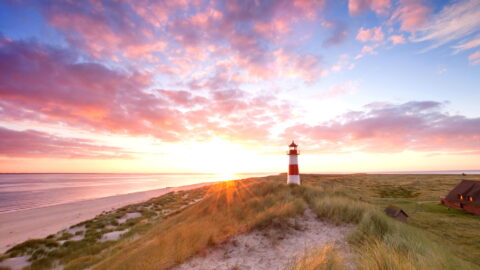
(172, 228)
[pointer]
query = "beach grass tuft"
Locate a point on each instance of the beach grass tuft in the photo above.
(324, 258)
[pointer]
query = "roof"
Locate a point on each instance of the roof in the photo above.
(293, 144)
(466, 188)
(394, 211)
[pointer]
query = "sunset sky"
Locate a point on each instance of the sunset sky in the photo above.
(224, 86)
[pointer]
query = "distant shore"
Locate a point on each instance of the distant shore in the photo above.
(19, 226)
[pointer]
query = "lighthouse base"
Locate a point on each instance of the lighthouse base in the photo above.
(293, 179)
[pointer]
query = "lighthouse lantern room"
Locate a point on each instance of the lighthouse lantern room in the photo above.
(293, 173)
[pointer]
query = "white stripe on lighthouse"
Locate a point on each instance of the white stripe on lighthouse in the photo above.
(293, 159)
(293, 179)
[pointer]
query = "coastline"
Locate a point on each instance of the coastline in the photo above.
(19, 226)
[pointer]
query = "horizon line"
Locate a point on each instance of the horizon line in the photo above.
(247, 173)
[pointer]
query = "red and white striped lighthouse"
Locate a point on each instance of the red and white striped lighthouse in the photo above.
(293, 174)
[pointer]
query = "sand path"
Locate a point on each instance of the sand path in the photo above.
(274, 249)
(19, 226)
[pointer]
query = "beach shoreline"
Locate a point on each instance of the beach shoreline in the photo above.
(19, 226)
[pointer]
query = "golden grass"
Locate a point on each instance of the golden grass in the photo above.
(325, 258)
(231, 208)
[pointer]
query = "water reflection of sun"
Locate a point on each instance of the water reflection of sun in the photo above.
(226, 177)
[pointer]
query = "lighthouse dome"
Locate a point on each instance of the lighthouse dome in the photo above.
(293, 144)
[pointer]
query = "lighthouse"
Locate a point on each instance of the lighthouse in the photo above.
(293, 174)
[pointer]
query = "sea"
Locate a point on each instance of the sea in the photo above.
(27, 191)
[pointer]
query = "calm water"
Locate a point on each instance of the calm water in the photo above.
(24, 191)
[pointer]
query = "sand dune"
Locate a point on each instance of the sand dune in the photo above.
(274, 248)
(19, 226)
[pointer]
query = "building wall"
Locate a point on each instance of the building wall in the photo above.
(469, 208)
(451, 204)
(472, 209)
(401, 217)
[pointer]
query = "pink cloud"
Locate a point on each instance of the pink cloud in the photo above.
(356, 7)
(35, 144)
(415, 126)
(373, 34)
(165, 34)
(50, 82)
(46, 85)
(397, 39)
(474, 58)
(348, 87)
(112, 29)
(411, 14)
(367, 50)
(338, 35)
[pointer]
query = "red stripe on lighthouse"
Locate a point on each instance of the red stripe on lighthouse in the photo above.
(293, 169)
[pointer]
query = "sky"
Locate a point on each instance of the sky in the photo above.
(224, 86)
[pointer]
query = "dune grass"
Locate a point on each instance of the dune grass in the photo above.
(449, 227)
(60, 249)
(325, 258)
(231, 208)
(378, 241)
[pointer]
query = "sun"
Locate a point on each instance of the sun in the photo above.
(217, 156)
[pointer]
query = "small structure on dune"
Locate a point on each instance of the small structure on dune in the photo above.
(293, 173)
(465, 196)
(396, 213)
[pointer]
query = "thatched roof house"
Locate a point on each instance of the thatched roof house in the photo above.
(465, 196)
(396, 212)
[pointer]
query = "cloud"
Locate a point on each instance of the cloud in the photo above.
(51, 85)
(412, 15)
(467, 45)
(356, 7)
(182, 37)
(343, 62)
(397, 39)
(373, 34)
(338, 35)
(475, 58)
(41, 84)
(367, 49)
(111, 30)
(382, 127)
(36, 144)
(454, 22)
(348, 87)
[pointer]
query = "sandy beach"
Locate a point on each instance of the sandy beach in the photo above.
(19, 226)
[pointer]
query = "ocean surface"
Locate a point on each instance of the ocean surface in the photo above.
(26, 191)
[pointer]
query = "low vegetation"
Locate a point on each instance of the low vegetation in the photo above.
(63, 249)
(325, 258)
(172, 228)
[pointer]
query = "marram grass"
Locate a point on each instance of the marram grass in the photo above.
(324, 258)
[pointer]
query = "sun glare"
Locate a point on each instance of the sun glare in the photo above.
(216, 156)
